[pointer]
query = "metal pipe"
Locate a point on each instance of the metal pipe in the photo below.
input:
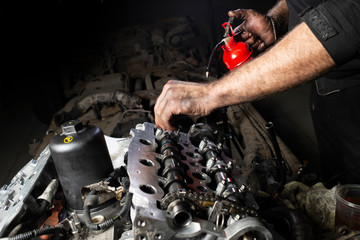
(179, 212)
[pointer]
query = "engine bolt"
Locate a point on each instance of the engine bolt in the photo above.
(141, 223)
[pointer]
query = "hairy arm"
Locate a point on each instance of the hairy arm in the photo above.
(299, 57)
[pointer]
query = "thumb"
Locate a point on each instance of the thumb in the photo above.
(240, 29)
(238, 13)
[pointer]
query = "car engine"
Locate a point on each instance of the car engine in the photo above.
(165, 186)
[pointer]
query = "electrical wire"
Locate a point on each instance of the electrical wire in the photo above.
(90, 201)
(37, 232)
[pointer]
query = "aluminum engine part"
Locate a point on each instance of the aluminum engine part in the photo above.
(13, 197)
(175, 196)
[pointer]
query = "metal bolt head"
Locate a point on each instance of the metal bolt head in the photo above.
(158, 236)
(158, 133)
(141, 223)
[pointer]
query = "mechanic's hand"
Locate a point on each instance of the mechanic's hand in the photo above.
(179, 97)
(256, 29)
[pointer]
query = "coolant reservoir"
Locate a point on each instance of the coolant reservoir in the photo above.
(81, 158)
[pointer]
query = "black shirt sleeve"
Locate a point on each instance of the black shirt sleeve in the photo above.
(336, 23)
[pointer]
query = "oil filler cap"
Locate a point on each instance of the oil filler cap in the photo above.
(71, 127)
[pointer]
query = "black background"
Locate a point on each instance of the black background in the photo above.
(38, 37)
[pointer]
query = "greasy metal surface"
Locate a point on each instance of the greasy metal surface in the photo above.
(144, 183)
(150, 221)
(118, 147)
(249, 224)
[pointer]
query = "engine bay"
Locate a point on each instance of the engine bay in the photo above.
(105, 171)
(165, 186)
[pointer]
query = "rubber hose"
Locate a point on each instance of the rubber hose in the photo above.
(125, 182)
(123, 211)
(106, 224)
(15, 230)
(40, 209)
(291, 224)
(127, 205)
(37, 232)
(212, 56)
(87, 217)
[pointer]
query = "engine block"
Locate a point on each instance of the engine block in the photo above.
(184, 187)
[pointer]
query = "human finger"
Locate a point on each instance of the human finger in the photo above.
(160, 105)
(238, 13)
(168, 104)
(245, 35)
(261, 47)
(250, 41)
(158, 111)
(163, 115)
(239, 29)
(165, 120)
(255, 45)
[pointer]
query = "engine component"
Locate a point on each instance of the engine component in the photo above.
(14, 197)
(77, 154)
(280, 163)
(108, 97)
(182, 191)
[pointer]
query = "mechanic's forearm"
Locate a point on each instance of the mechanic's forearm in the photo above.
(299, 57)
(280, 14)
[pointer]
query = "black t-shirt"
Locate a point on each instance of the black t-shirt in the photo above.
(335, 24)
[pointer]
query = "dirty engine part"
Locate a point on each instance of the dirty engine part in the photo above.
(77, 153)
(186, 191)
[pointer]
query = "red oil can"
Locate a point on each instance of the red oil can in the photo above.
(236, 52)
